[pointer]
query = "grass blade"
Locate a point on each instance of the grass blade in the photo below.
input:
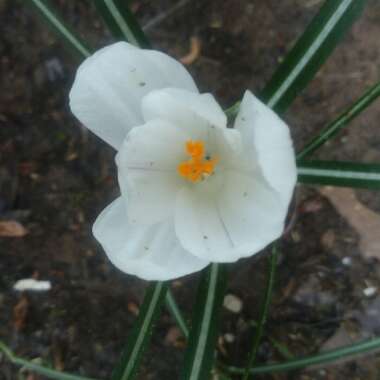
(311, 51)
(121, 22)
(176, 313)
(50, 15)
(264, 312)
(200, 353)
(141, 332)
(322, 358)
(281, 348)
(338, 173)
(42, 370)
(308, 54)
(334, 127)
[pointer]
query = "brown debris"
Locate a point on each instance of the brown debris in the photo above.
(26, 168)
(221, 346)
(365, 221)
(20, 312)
(133, 308)
(310, 206)
(194, 53)
(174, 338)
(11, 228)
(328, 238)
(58, 358)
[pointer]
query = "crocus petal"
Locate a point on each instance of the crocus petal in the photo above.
(238, 222)
(147, 168)
(109, 85)
(185, 109)
(151, 253)
(267, 140)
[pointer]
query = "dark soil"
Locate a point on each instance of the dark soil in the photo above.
(55, 177)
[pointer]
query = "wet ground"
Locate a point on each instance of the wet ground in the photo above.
(55, 178)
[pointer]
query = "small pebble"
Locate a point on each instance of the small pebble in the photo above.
(370, 291)
(232, 303)
(347, 261)
(31, 284)
(229, 338)
(296, 236)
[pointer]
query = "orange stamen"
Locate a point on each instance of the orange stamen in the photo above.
(195, 149)
(197, 167)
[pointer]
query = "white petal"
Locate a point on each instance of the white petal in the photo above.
(239, 221)
(151, 253)
(147, 168)
(184, 109)
(251, 210)
(109, 85)
(171, 70)
(268, 141)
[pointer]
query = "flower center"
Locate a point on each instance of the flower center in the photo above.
(199, 166)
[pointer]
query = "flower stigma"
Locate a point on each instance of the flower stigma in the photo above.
(199, 166)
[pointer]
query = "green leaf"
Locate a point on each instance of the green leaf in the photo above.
(281, 348)
(121, 22)
(176, 313)
(334, 127)
(50, 15)
(308, 54)
(141, 332)
(42, 370)
(338, 173)
(311, 51)
(322, 358)
(200, 353)
(264, 312)
(232, 111)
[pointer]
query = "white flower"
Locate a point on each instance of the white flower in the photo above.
(192, 190)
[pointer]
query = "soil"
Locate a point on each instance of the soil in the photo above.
(55, 177)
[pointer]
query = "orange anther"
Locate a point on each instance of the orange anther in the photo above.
(197, 167)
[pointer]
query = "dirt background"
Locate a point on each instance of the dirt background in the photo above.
(55, 177)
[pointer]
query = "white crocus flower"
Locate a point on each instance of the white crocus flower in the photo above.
(192, 190)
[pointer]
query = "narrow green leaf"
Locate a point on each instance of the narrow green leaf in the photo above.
(141, 332)
(176, 313)
(322, 358)
(42, 370)
(338, 173)
(121, 22)
(311, 51)
(334, 127)
(281, 348)
(232, 111)
(51, 16)
(264, 312)
(200, 353)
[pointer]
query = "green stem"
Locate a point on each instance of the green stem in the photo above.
(176, 313)
(264, 312)
(200, 352)
(339, 173)
(141, 333)
(121, 22)
(325, 357)
(334, 127)
(232, 111)
(48, 372)
(281, 348)
(59, 26)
